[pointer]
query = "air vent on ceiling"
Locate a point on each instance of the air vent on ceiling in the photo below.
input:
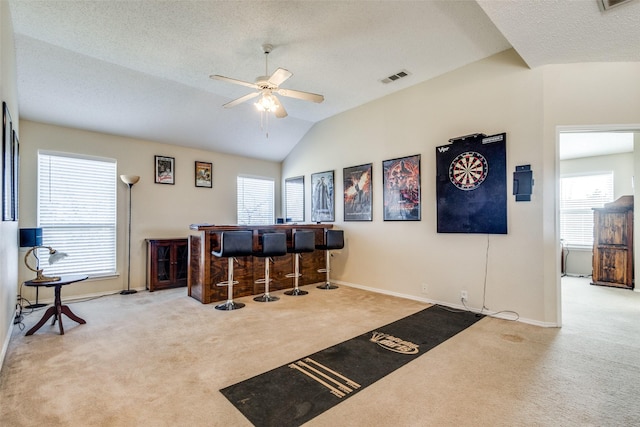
(396, 76)
(608, 4)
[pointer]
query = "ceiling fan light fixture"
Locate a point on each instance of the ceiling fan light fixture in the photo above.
(266, 103)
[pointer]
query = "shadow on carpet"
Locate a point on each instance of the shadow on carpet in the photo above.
(297, 392)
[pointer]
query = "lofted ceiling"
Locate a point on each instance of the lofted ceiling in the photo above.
(141, 68)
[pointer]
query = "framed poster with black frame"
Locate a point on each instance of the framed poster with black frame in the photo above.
(357, 193)
(471, 185)
(7, 165)
(401, 185)
(322, 197)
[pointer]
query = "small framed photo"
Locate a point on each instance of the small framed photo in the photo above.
(204, 174)
(165, 170)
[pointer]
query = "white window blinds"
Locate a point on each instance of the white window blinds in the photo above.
(77, 213)
(255, 198)
(294, 199)
(578, 195)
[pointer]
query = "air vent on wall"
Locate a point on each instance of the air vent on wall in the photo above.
(396, 76)
(608, 4)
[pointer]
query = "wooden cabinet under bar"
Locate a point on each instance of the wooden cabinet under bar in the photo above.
(205, 269)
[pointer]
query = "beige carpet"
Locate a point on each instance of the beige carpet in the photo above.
(159, 359)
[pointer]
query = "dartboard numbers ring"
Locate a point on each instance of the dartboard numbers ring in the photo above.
(468, 170)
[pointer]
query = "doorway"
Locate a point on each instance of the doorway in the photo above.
(592, 154)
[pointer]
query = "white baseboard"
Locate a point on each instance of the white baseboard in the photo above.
(498, 314)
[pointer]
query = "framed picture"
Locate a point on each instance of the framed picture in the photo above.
(15, 164)
(204, 174)
(7, 164)
(165, 170)
(322, 197)
(294, 199)
(401, 184)
(357, 193)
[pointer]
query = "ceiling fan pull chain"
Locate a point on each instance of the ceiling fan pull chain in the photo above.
(266, 120)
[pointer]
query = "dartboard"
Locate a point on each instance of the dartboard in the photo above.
(468, 170)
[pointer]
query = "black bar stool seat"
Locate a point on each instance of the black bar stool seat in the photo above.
(333, 239)
(273, 244)
(302, 242)
(233, 244)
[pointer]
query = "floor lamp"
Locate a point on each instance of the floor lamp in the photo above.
(129, 180)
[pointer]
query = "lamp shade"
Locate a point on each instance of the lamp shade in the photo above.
(130, 179)
(30, 237)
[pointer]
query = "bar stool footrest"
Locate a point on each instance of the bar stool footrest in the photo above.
(226, 283)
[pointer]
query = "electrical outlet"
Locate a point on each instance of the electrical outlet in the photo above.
(425, 288)
(463, 295)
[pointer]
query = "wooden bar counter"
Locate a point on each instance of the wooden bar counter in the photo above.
(205, 269)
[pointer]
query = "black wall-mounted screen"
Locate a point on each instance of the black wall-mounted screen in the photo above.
(523, 183)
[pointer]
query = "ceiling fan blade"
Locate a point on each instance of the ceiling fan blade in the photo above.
(279, 76)
(234, 81)
(241, 100)
(306, 96)
(280, 111)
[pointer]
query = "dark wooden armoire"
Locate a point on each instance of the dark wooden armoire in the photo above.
(613, 244)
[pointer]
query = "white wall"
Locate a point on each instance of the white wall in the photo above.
(499, 94)
(496, 95)
(158, 210)
(578, 260)
(8, 229)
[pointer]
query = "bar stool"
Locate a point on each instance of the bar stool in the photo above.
(232, 245)
(333, 239)
(273, 244)
(302, 241)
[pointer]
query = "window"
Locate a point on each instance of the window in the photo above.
(77, 213)
(294, 199)
(255, 201)
(578, 195)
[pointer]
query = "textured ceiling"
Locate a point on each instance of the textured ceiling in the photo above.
(141, 68)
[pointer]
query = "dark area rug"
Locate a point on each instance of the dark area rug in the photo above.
(297, 392)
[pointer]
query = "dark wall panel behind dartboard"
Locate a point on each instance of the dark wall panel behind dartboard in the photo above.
(472, 185)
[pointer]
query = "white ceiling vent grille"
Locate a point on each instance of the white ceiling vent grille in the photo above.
(396, 76)
(608, 4)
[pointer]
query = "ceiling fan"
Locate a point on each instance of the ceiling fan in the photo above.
(267, 87)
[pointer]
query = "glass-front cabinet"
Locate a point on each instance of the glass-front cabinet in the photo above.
(166, 263)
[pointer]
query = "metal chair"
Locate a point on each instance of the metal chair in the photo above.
(273, 244)
(233, 244)
(333, 239)
(302, 241)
